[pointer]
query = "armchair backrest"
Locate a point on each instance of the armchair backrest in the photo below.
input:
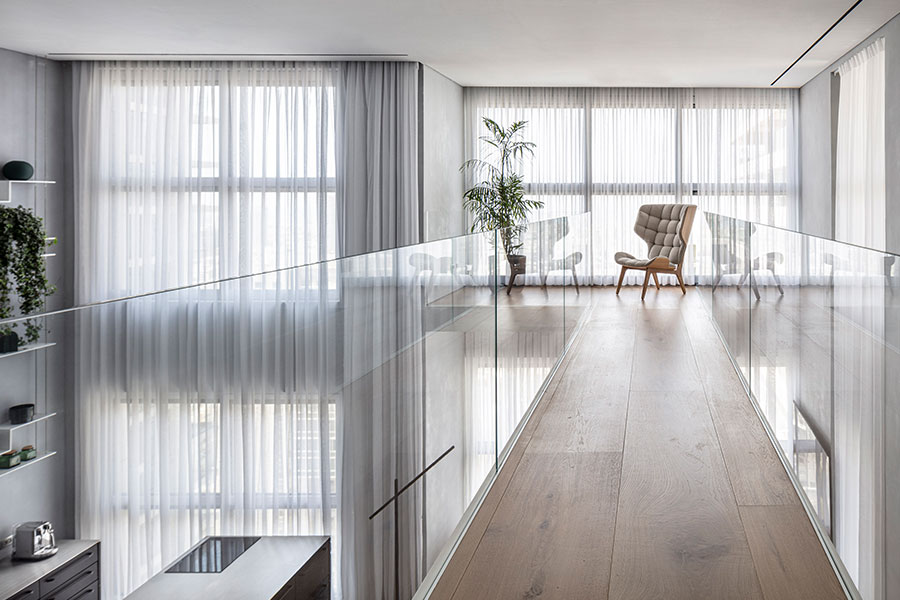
(666, 229)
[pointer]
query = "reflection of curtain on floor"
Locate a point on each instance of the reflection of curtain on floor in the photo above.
(380, 435)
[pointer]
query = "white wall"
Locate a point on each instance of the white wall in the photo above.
(442, 117)
(35, 124)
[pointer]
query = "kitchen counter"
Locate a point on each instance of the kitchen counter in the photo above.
(17, 575)
(277, 567)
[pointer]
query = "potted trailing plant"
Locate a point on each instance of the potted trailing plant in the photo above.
(22, 272)
(498, 201)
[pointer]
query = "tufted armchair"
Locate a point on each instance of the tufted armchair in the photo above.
(666, 229)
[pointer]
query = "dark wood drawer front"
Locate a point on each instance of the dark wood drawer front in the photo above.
(29, 593)
(72, 589)
(313, 581)
(92, 592)
(64, 575)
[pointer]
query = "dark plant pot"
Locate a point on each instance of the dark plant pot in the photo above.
(18, 170)
(516, 264)
(9, 342)
(21, 413)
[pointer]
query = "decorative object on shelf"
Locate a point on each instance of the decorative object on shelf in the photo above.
(27, 453)
(9, 459)
(18, 170)
(9, 342)
(22, 269)
(21, 413)
(499, 201)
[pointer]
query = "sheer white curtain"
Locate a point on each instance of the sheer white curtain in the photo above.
(206, 410)
(732, 151)
(859, 212)
(739, 158)
(556, 120)
(378, 187)
(634, 161)
(859, 324)
(192, 172)
(279, 403)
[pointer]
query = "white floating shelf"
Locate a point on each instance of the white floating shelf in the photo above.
(22, 465)
(6, 187)
(28, 348)
(6, 430)
(36, 419)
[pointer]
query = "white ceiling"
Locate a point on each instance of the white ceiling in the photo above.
(474, 42)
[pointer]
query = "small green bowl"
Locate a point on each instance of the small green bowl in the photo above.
(7, 461)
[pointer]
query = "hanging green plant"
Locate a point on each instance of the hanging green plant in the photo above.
(23, 242)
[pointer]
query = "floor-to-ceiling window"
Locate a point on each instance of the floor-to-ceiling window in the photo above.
(608, 151)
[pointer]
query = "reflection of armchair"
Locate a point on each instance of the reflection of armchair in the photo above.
(839, 264)
(725, 255)
(666, 229)
(771, 259)
(553, 232)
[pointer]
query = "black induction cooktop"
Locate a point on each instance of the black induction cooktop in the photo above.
(212, 555)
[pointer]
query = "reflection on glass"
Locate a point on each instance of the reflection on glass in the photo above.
(289, 402)
(813, 467)
(814, 326)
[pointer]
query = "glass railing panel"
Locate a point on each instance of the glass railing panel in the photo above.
(289, 403)
(822, 369)
(578, 260)
(531, 303)
(729, 254)
(459, 393)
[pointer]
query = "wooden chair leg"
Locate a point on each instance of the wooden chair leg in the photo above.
(680, 281)
(646, 281)
(575, 279)
(621, 278)
(655, 280)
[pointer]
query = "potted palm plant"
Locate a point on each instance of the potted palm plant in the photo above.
(498, 200)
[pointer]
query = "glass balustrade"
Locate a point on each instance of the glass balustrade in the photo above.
(371, 398)
(813, 327)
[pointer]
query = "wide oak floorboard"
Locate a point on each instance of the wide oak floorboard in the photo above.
(644, 472)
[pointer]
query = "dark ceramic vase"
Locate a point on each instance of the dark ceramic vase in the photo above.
(9, 342)
(18, 170)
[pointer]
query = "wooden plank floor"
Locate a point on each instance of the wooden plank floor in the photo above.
(643, 473)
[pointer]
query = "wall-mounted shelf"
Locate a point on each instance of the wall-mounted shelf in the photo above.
(6, 430)
(6, 187)
(36, 419)
(22, 465)
(28, 348)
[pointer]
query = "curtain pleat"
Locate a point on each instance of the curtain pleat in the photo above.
(377, 136)
(859, 210)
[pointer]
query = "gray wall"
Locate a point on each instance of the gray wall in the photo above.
(817, 109)
(442, 117)
(34, 121)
